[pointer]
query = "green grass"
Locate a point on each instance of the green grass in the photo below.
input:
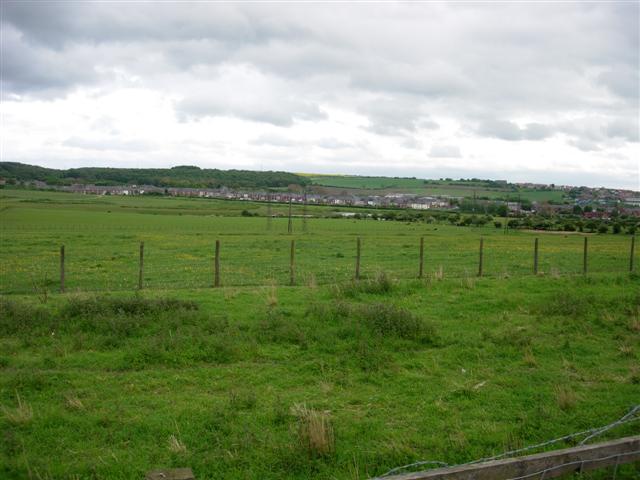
(102, 234)
(424, 370)
(381, 185)
(329, 379)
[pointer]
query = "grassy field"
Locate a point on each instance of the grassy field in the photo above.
(327, 379)
(382, 185)
(102, 234)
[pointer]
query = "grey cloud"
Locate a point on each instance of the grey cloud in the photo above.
(506, 130)
(626, 129)
(445, 151)
(400, 115)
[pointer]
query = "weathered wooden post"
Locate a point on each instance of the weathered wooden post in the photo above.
(480, 260)
(290, 226)
(358, 251)
(292, 264)
(216, 266)
(62, 269)
(633, 248)
(584, 257)
(421, 267)
(141, 266)
(535, 257)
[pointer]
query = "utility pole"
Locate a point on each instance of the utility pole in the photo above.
(304, 213)
(269, 212)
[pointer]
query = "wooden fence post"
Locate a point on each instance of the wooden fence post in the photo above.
(62, 269)
(292, 264)
(480, 260)
(358, 249)
(584, 257)
(535, 257)
(421, 269)
(216, 266)
(633, 248)
(141, 266)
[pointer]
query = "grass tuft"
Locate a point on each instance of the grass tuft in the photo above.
(72, 402)
(19, 415)
(176, 445)
(315, 431)
(565, 398)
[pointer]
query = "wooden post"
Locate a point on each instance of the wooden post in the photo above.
(539, 466)
(584, 257)
(535, 257)
(292, 264)
(141, 266)
(480, 260)
(62, 269)
(358, 249)
(633, 248)
(216, 266)
(421, 269)
(290, 226)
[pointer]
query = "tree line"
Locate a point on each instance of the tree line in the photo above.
(182, 176)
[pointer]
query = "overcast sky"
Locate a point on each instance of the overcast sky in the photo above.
(540, 91)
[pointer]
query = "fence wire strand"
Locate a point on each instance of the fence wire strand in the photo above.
(631, 416)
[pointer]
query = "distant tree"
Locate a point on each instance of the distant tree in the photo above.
(603, 228)
(497, 224)
(617, 228)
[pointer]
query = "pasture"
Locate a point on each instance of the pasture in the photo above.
(381, 185)
(108, 382)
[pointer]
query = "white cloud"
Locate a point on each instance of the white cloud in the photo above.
(341, 88)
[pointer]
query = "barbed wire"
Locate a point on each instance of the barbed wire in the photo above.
(631, 416)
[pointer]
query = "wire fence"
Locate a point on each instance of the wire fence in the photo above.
(176, 260)
(633, 415)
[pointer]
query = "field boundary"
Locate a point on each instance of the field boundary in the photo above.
(541, 465)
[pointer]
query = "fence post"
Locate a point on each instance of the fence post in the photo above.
(216, 266)
(358, 249)
(480, 260)
(62, 269)
(292, 264)
(584, 257)
(141, 266)
(535, 257)
(633, 248)
(421, 269)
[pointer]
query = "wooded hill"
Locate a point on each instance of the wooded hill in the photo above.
(182, 176)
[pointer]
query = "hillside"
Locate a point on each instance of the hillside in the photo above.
(181, 176)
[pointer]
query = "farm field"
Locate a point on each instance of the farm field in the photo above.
(108, 382)
(101, 236)
(383, 185)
